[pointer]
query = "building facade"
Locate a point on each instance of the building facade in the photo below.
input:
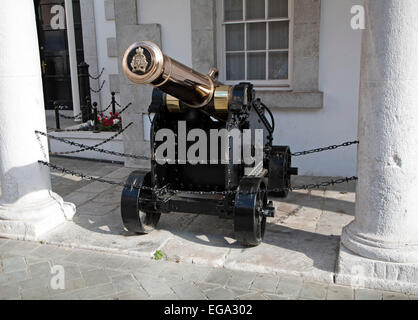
(302, 55)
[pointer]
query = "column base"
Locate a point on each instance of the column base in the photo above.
(359, 272)
(28, 221)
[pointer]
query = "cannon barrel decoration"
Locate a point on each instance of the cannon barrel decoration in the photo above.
(203, 172)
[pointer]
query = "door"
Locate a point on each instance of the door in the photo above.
(53, 45)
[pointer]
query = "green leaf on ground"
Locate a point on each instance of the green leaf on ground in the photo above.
(158, 255)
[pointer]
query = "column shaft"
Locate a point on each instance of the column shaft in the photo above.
(27, 204)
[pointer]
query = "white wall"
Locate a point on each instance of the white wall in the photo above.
(340, 49)
(104, 29)
(174, 18)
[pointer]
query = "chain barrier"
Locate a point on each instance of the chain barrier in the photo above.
(83, 146)
(91, 147)
(68, 117)
(100, 89)
(332, 147)
(176, 191)
(124, 108)
(107, 108)
(98, 77)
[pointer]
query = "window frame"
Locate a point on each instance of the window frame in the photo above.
(284, 85)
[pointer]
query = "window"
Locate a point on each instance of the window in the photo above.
(257, 41)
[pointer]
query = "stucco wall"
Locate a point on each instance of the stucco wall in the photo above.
(302, 129)
(339, 74)
(174, 18)
(105, 29)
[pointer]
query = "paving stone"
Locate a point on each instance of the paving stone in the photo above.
(79, 198)
(206, 286)
(18, 248)
(96, 209)
(241, 280)
(40, 269)
(94, 259)
(3, 241)
(220, 294)
(413, 297)
(69, 285)
(109, 196)
(313, 291)
(13, 264)
(13, 277)
(219, 276)
(136, 295)
(172, 296)
(252, 296)
(41, 293)
(394, 296)
(193, 272)
(95, 187)
(50, 252)
(9, 292)
(88, 293)
(276, 297)
(335, 292)
(111, 261)
(367, 294)
(72, 271)
(76, 256)
(133, 264)
(95, 277)
(289, 286)
(36, 282)
(153, 286)
(153, 268)
(265, 282)
(188, 291)
(115, 273)
(127, 283)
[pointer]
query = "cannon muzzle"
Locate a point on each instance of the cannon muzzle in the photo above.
(145, 63)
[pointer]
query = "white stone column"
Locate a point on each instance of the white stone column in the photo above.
(28, 207)
(72, 51)
(380, 248)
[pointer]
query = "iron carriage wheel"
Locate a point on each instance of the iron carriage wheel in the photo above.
(249, 218)
(136, 215)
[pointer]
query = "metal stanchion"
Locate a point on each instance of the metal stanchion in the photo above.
(57, 116)
(113, 103)
(96, 124)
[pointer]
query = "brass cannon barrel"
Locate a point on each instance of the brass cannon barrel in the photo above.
(145, 63)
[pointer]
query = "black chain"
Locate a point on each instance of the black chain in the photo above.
(107, 108)
(95, 146)
(124, 108)
(175, 191)
(98, 77)
(69, 117)
(333, 147)
(100, 89)
(72, 143)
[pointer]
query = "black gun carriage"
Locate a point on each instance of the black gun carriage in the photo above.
(217, 186)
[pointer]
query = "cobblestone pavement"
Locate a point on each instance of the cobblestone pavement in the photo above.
(25, 273)
(202, 260)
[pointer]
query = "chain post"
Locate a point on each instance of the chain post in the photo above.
(57, 116)
(96, 124)
(113, 103)
(84, 83)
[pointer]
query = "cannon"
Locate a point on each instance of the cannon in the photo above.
(191, 175)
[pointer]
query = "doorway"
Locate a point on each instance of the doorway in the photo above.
(54, 53)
